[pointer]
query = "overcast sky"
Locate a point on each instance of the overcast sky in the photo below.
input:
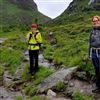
(52, 8)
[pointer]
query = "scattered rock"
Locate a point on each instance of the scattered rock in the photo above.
(51, 93)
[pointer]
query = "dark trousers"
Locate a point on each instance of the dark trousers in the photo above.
(33, 56)
(96, 63)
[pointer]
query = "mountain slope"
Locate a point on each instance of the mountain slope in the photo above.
(78, 10)
(14, 12)
(71, 35)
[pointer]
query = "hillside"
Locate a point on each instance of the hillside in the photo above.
(71, 36)
(16, 12)
(78, 11)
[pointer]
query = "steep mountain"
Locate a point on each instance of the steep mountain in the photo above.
(95, 4)
(14, 12)
(78, 10)
(25, 4)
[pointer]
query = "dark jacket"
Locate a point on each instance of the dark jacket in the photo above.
(94, 39)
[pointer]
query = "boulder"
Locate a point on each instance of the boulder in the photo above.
(55, 78)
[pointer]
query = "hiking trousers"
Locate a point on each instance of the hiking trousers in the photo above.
(33, 56)
(96, 63)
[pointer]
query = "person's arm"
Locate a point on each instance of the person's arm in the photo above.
(89, 52)
(39, 38)
(27, 36)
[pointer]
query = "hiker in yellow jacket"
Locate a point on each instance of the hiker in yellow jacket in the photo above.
(34, 40)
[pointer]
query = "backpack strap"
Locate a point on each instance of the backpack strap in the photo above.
(35, 36)
(36, 39)
(30, 36)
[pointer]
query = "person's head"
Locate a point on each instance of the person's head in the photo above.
(33, 27)
(96, 21)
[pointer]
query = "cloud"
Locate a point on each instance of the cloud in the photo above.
(52, 8)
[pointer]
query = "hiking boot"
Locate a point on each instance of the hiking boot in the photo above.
(96, 90)
(37, 69)
(32, 73)
(32, 77)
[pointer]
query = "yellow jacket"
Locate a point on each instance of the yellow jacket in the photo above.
(33, 42)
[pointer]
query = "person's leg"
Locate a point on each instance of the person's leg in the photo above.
(98, 73)
(36, 60)
(96, 62)
(31, 60)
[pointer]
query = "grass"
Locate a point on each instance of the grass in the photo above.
(41, 74)
(13, 14)
(11, 9)
(12, 34)
(38, 98)
(1, 74)
(60, 85)
(72, 45)
(12, 58)
(79, 96)
(18, 98)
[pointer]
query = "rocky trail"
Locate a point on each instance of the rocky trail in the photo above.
(72, 83)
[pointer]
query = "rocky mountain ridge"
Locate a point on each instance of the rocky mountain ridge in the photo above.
(25, 4)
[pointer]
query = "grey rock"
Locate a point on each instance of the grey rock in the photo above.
(53, 79)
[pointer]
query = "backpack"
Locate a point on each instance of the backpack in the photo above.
(35, 39)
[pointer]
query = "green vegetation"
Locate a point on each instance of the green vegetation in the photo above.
(18, 98)
(78, 11)
(48, 51)
(59, 85)
(1, 74)
(41, 74)
(80, 96)
(14, 14)
(72, 46)
(38, 98)
(30, 90)
(12, 58)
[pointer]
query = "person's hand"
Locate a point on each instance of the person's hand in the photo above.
(90, 58)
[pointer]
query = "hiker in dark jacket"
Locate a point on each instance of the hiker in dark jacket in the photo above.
(94, 50)
(34, 39)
